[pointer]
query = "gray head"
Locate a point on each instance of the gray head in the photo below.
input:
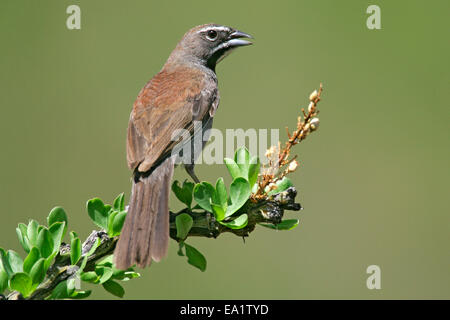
(208, 44)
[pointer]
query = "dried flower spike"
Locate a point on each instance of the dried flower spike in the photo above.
(292, 166)
(313, 96)
(314, 123)
(275, 172)
(270, 152)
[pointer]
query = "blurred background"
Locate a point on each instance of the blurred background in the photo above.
(373, 180)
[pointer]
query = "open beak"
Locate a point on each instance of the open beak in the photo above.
(236, 41)
(232, 42)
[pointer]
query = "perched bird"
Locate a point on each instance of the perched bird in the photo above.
(184, 91)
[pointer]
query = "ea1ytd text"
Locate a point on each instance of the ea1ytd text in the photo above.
(227, 309)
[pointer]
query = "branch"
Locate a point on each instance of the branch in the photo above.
(62, 269)
(269, 210)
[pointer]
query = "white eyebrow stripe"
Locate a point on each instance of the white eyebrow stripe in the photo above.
(214, 28)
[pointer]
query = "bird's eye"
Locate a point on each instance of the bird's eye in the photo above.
(211, 35)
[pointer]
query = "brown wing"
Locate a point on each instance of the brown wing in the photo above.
(170, 101)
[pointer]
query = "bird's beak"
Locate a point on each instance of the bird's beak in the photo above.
(236, 41)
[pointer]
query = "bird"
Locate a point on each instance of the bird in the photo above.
(183, 92)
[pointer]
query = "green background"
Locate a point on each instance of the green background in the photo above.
(373, 180)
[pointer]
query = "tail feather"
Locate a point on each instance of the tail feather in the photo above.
(144, 216)
(145, 234)
(160, 236)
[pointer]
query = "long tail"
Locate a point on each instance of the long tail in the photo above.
(145, 234)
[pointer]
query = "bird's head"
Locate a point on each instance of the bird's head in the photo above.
(208, 44)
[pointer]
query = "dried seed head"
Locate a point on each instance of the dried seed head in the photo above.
(314, 123)
(270, 152)
(307, 127)
(313, 96)
(293, 165)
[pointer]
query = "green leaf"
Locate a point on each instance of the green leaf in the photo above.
(114, 288)
(49, 260)
(253, 170)
(184, 193)
(3, 280)
(126, 275)
(108, 209)
(111, 217)
(23, 228)
(22, 236)
(219, 212)
(21, 282)
(94, 247)
(118, 274)
(73, 235)
(244, 166)
(37, 272)
(288, 224)
(195, 258)
(75, 250)
(183, 223)
(32, 232)
(105, 273)
(71, 283)
(98, 212)
(44, 243)
(89, 253)
(282, 185)
(80, 294)
(189, 186)
(90, 276)
(220, 197)
(57, 214)
(61, 291)
(242, 159)
(239, 194)
(118, 222)
(233, 168)
(108, 261)
(31, 259)
(238, 223)
(15, 261)
(57, 230)
(119, 202)
(203, 192)
(4, 264)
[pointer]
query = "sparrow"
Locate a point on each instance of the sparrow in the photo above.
(183, 92)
